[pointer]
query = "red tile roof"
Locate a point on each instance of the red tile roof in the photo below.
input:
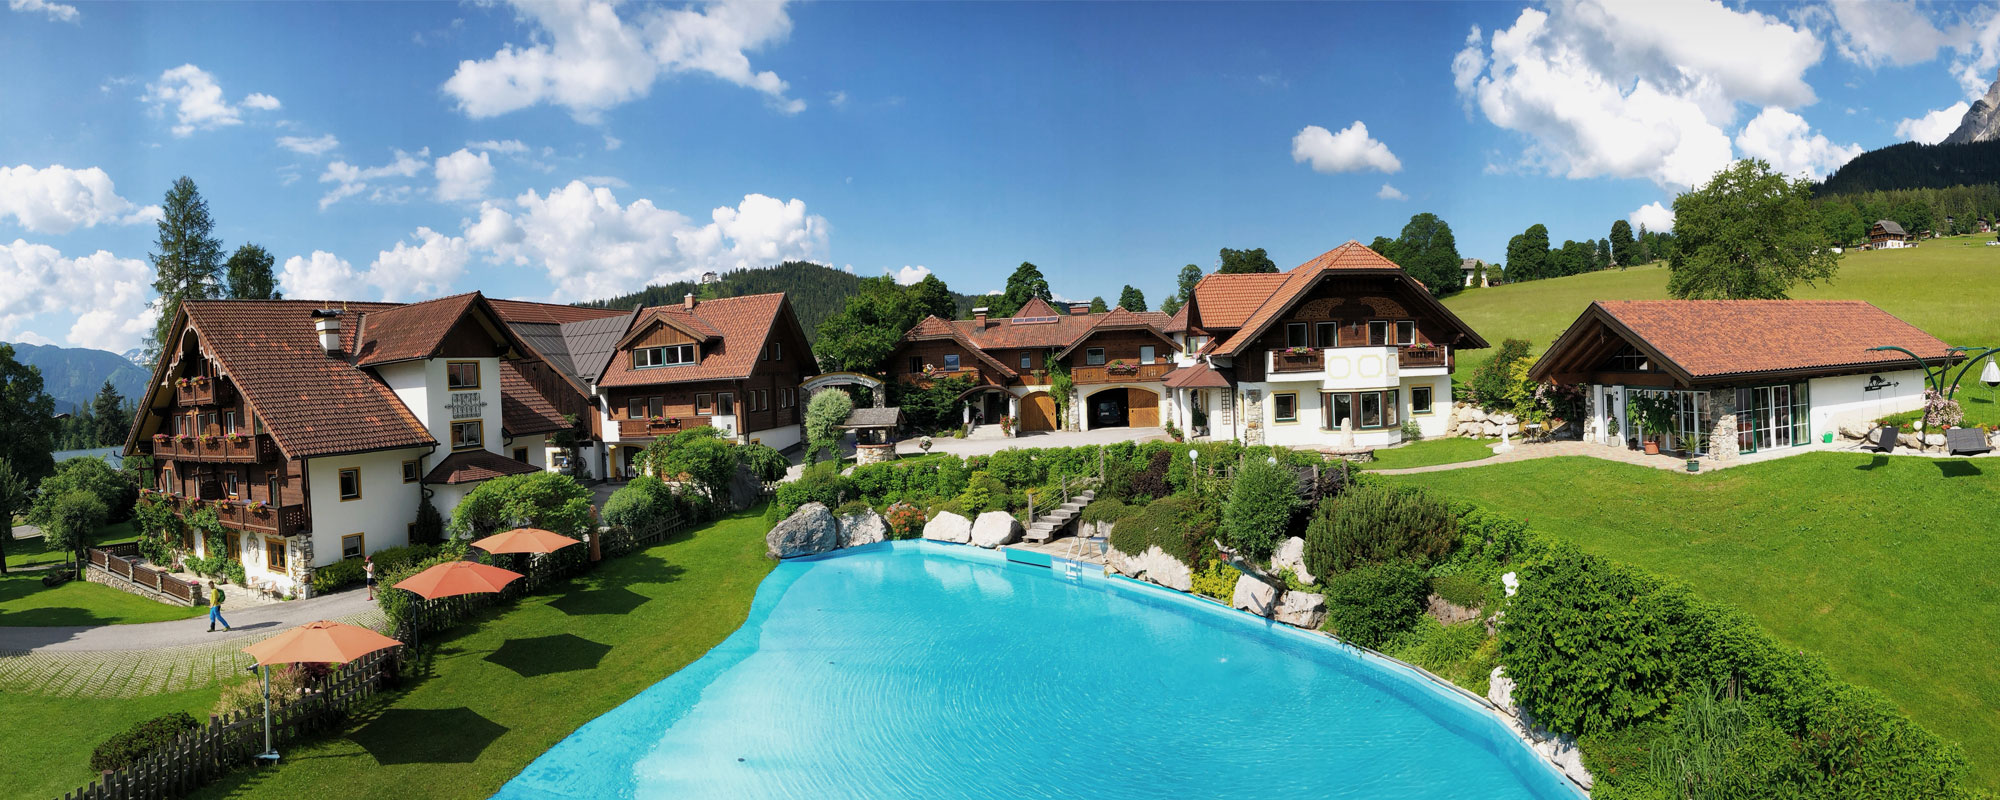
(934, 327)
(1008, 334)
(523, 409)
(1198, 376)
(1714, 338)
(528, 311)
(742, 323)
(1225, 301)
(467, 466)
(407, 332)
(1298, 280)
(1178, 323)
(1036, 308)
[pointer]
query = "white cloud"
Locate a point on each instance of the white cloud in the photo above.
(30, 337)
(427, 269)
(463, 176)
(593, 246)
(1977, 55)
(351, 180)
(198, 101)
(1877, 32)
(57, 11)
(612, 142)
(606, 180)
(57, 199)
(311, 146)
(588, 59)
(1654, 216)
(1350, 150)
(1784, 139)
(1933, 126)
(1391, 193)
(508, 146)
(1634, 90)
(908, 274)
(836, 99)
(112, 296)
(321, 276)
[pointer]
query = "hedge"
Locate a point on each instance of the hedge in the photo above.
(1368, 605)
(139, 740)
(337, 575)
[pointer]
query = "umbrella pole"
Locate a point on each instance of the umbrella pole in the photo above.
(269, 753)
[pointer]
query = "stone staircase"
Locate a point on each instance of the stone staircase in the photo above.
(989, 430)
(1046, 525)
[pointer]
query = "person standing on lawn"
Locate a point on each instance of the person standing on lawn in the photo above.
(215, 608)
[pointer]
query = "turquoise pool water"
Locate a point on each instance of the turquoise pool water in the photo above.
(914, 670)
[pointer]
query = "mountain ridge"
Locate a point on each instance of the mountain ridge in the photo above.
(72, 375)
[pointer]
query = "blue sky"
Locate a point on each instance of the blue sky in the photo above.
(578, 149)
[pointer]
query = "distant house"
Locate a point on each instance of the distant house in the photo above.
(708, 278)
(1886, 233)
(1475, 272)
(1985, 225)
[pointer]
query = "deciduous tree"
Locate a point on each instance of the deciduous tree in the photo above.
(13, 498)
(1428, 251)
(1235, 262)
(248, 274)
(1025, 284)
(1749, 233)
(1528, 255)
(1097, 305)
(27, 418)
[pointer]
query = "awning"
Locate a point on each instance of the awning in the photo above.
(470, 466)
(1199, 376)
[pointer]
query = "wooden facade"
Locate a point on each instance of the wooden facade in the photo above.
(1338, 312)
(213, 451)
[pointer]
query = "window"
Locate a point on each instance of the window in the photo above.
(1378, 332)
(1420, 399)
(1367, 409)
(351, 546)
(725, 403)
(1027, 361)
(274, 555)
(1629, 359)
(785, 397)
(1295, 334)
(1343, 410)
(951, 361)
(521, 454)
(635, 408)
(1145, 354)
(1406, 332)
(1285, 407)
(231, 486)
(702, 406)
(656, 407)
(211, 422)
(274, 488)
(764, 399)
(1371, 409)
(412, 471)
(1093, 356)
(468, 434)
(228, 422)
(669, 356)
(257, 424)
(764, 353)
(1327, 334)
(460, 375)
(916, 364)
(777, 351)
(167, 479)
(350, 483)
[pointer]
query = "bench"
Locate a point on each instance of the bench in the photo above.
(1966, 442)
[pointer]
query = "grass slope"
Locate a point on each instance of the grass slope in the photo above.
(1882, 565)
(25, 602)
(1430, 452)
(30, 552)
(520, 678)
(48, 740)
(1943, 287)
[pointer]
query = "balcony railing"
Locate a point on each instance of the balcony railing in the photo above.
(1414, 357)
(202, 392)
(234, 448)
(243, 515)
(1123, 373)
(1286, 360)
(642, 428)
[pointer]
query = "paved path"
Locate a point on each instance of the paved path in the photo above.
(1524, 452)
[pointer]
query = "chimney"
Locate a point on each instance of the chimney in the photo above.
(327, 323)
(979, 317)
(1079, 309)
(687, 303)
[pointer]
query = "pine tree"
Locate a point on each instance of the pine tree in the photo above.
(1097, 305)
(188, 259)
(248, 274)
(108, 412)
(1132, 299)
(1603, 253)
(1621, 244)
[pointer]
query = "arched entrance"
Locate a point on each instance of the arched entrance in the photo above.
(1123, 408)
(875, 386)
(1038, 412)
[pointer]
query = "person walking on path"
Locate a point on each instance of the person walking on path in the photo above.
(368, 570)
(215, 608)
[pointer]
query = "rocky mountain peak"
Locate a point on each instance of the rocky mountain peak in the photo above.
(1982, 121)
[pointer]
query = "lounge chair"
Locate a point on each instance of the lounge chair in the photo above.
(1966, 442)
(1883, 440)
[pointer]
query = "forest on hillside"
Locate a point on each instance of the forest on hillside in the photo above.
(1951, 210)
(1911, 165)
(817, 291)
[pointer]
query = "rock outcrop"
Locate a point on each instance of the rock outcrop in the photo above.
(1291, 555)
(1981, 122)
(808, 531)
(866, 527)
(995, 528)
(1447, 612)
(948, 527)
(1254, 596)
(1153, 566)
(1301, 609)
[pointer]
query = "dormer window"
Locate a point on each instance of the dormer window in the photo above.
(461, 375)
(669, 356)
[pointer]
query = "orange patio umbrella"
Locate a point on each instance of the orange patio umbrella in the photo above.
(525, 540)
(322, 642)
(454, 578)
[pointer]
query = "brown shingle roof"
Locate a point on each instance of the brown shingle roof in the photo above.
(467, 466)
(528, 311)
(1198, 376)
(407, 332)
(742, 323)
(312, 403)
(1036, 308)
(1118, 319)
(934, 327)
(1350, 256)
(1707, 339)
(1178, 323)
(523, 409)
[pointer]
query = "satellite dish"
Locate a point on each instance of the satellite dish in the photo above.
(1990, 375)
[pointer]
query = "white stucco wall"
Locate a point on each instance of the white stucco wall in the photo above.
(780, 437)
(384, 511)
(422, 388)
(1843, 401)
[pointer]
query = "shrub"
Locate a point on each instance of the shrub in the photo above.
(429, 527)
(764, 461)
(1376, 524)
(982, 494)
(140, 740)
(389, 559)
(547, 500)
(1368, 605)
(1588, 647)
(1491, 382)
(1461, 653)
(851, 508)
(820, 483)
(1163, 523)
(906, 521)
(288, 682)
(68, 520)
(1105, 509)
(1262, 501)
(1412, 432)
(1466, 591)
(337, 575)
(1151, 482)
(826, 409)
(1217, 580)
(642, 505)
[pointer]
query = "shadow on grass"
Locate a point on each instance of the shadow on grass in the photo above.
(547, 655)
(613, 600)
(1959, 469)
(1876, 462)
(426, 736)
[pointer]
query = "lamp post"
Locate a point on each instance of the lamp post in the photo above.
(1935, 378)
(1194, 469)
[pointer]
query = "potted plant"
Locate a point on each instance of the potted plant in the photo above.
(187, 438)
(1006, 426)
(1300, 350)
(239, 438)
(1654, 414)
(181, 383)
(1119, 367)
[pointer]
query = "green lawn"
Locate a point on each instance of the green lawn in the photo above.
(29, 552)
(1883, 565)
(48, 740)
(1939, 287)
(1430, 452)
(506, 688)
(25, 602)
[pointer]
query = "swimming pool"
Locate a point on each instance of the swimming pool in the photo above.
(921, 670)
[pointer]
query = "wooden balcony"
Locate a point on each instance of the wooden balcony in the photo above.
(202, 392)
(1283, 360)
(922, 379)
(1416, 358)
(235, 449)
(1126, 373)
(243, 516)
(642, 428)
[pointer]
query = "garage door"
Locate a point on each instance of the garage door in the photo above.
(1038, 412)
(1142, 408)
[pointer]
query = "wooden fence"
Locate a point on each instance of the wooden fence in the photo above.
(121, 561)
(202, 755)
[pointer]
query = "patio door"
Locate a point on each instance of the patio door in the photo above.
(1772, 416)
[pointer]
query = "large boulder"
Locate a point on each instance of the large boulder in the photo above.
(1301, 610)
(866, 527)
(1291, 555)
(1254, 596)
(809, 530)
(1500, 690)
(744, 489)
(948, 527)
(1448, 612)
(1154, 566)
(995, 528)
